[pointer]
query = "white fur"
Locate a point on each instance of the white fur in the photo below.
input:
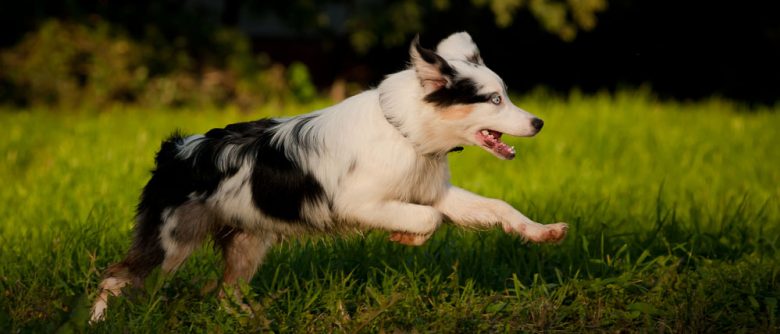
(459, 46)
(109, 286)
(189, 146)
(233, 198)
(169, 223)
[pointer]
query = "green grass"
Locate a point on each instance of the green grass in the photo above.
(673, 209)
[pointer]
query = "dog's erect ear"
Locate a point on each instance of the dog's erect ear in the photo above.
(460, 46)
(433, 71)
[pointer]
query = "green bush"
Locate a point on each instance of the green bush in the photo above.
(67, 64)
(300, 82)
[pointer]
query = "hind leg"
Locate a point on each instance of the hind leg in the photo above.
(117, 277)
(243, 252)
(182, 230)
(144, 255)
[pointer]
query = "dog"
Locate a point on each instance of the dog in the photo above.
(377, 160)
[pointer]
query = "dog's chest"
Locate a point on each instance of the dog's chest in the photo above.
(423, 182)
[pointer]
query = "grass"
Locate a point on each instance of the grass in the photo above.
(673, 209)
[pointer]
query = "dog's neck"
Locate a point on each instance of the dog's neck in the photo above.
(401, 99)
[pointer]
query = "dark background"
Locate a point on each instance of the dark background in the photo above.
(681, 49)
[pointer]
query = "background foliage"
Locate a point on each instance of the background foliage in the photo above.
(67, 64)
(390, 23)
(236, 51)
(100, 60)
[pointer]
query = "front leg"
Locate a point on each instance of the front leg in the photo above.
(467, 209)
(410, 224)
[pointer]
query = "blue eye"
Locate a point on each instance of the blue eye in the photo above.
(495, 99)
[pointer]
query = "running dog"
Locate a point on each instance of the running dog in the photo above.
(377, 160)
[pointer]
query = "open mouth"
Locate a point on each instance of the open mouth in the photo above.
(490, 140)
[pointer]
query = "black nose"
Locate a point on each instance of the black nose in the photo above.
(537, 123)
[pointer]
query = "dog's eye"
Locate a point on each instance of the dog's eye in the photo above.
(495, 99)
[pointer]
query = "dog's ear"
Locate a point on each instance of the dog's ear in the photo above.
(460, 46)
(433, 71)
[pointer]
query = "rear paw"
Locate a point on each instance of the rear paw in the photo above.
(231, 300)
(409, 239)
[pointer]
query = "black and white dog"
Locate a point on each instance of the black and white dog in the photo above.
(376, 160)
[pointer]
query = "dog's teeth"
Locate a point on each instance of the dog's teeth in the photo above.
(485, 132)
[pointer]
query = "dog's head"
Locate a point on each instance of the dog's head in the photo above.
(470, 101)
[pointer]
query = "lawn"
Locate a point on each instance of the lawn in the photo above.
(673, 208)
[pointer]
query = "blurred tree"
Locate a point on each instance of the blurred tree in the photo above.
(67, 64)
(683, 48)
(366, 23)
(388, 23)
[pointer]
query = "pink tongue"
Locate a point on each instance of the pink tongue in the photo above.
(505, 151)
(493, 141)
(499, 147)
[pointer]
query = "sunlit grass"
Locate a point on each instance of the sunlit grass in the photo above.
(673, 207)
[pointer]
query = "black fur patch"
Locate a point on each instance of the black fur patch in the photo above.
(462, 91)
(280, 187)
(455, 149)
(431, 57)
(458, 91)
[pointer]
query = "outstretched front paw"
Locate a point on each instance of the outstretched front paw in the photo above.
(555, 232)
(409, 239)
(552, 233)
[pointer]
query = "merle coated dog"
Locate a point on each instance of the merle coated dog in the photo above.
(376, 160)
